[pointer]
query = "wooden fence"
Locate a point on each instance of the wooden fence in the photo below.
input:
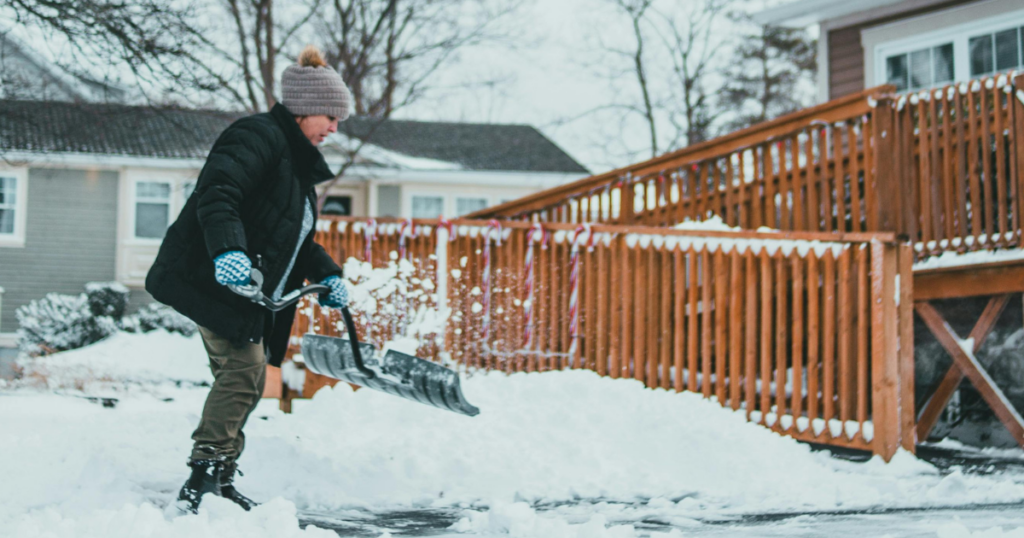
(810, 334)
(941, 167)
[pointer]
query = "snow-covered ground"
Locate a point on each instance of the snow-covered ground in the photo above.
(555, 454)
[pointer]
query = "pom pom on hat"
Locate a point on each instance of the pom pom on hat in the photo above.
(311, 57)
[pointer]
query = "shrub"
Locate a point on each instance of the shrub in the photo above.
(108, 299)
(157, 316)
(62, 322)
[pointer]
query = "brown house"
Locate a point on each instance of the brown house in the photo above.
(914, 44)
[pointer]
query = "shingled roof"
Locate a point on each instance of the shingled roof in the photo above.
(476, 146)
(112, 129)
(109, 129)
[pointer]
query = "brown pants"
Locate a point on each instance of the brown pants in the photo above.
(238, 377)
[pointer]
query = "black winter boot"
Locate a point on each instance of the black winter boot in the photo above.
(228, 491)
(206, 478)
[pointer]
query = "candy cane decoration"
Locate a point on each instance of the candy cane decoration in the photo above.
(447, 225)
(537, 234)
(574, 284)
(369, 234)
(405, 231)
(492, 225)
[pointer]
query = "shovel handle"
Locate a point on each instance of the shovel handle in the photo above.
(254, 292)
(353, 339)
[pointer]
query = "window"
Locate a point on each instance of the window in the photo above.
(152, 209)
(337, 205)
(187, 189)
(427, 207)
(8, 204)
(998, 51)
(465, 206)
(921, 68)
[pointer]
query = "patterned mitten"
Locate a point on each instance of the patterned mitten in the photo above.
(232, 268)
(338, 296)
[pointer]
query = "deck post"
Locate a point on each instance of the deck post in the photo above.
(885, 374)
(887, 183)
(905, 314)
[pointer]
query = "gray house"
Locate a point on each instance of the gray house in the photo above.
(87, 190)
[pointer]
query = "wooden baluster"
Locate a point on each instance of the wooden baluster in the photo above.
(799, 187)
(750, 368)
(973, 168)
(692, 336)
(828, 339)
(679, 316)
(736, 293)
(665, 284)
(767, 327)
(1000, 177)
(706, 321)
(721, 271)
(854, 153)
(797, 351)
(986, 159)
(813, 337)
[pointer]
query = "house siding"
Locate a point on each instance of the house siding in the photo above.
(846, 53)
(70, 238)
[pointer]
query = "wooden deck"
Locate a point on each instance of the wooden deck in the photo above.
(969, 280)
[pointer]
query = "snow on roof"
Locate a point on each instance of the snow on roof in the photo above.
(805, 12)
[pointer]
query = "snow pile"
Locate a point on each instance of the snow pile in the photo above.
(952, 258)
(959, 530)
(555, 454)
(519, 520)
(124, 358)
(573, 435)
(217, 517)
(714, 223)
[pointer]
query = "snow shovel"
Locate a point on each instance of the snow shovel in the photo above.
(396, 373)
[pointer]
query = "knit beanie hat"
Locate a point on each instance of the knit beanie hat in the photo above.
(312, 87)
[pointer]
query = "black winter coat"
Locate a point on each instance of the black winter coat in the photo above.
(249, 197)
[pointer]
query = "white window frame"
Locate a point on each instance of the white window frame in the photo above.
(959, 35)
(445, 203)
(17, 238)
(488, 201)
(135, 207)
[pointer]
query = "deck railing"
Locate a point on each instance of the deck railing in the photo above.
(809, 333)
(941, 167)
(958, 157)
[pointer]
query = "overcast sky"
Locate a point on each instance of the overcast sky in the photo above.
(557, 71)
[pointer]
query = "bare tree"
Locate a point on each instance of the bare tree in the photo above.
(689, 39)
(637, 11)
(662, 72)
(151, 38)
(387, 51)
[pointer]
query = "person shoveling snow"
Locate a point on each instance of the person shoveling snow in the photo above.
(254, 202)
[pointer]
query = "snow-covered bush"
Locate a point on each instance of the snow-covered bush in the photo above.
(61, 322)
(108, 299)
(157, 316)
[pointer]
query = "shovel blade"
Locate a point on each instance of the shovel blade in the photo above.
(397, 373)
(332, 357)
